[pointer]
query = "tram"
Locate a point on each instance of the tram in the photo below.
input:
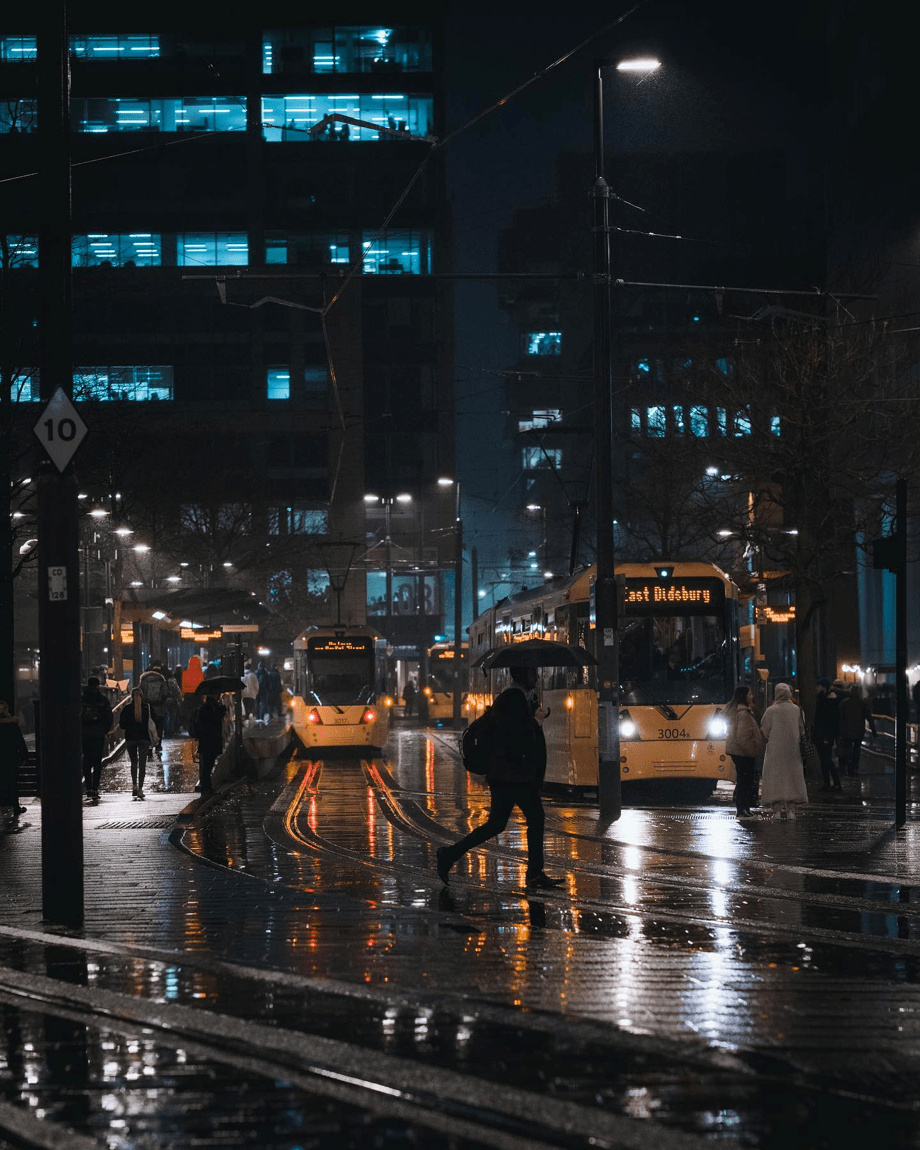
(679, 661)
(443, 676)
(339, 696)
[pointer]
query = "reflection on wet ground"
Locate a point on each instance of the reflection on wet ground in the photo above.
(793, 945)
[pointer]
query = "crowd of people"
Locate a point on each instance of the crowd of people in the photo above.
(838, 729)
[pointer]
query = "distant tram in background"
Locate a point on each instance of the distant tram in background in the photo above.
(443, 677)
(679, 665)
(339, 693)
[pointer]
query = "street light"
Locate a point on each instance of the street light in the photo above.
(605, 589)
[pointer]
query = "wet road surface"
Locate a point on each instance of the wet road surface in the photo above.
(287, 971)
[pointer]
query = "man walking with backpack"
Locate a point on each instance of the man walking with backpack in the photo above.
(96, 722)
(515, 775)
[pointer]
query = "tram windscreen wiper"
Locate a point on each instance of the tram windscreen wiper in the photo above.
(663, 707)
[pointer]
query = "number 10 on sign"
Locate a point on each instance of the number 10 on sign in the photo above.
(60, 430)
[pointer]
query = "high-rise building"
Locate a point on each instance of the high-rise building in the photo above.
(259, 344)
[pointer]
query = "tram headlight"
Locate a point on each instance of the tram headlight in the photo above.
(718, 727)
(388, 701)
(426, 691)
(569, 702)
(369, 716)
(628, 728)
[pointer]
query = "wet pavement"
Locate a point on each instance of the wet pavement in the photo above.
(282, 968)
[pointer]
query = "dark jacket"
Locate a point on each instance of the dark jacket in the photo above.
(95, 714)
(519, 748)
(826, 723)
(209, 723)
(13, 747)
(853, 715)
(135, 732)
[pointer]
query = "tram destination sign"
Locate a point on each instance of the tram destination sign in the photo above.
(340, 646)
(673, 596)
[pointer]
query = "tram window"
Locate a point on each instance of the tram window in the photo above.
(674, 659)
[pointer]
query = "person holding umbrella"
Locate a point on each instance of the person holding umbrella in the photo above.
(515, 777)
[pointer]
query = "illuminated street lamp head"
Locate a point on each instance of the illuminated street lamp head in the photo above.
(639, 64)
(404, 498)
(123, 531)
(141, 547)
(534, 506)
(98, 513)
(445, 481)
(370, 498)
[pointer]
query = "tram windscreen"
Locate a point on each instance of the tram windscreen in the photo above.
(674, 646)
(341, 671)
(442, 672)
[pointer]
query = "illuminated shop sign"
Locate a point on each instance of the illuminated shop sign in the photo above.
(674, 596)
(340, 646)
(772, 615)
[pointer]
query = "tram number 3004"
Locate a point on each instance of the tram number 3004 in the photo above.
(673, 733)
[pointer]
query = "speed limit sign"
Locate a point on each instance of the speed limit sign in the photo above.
(60, 429)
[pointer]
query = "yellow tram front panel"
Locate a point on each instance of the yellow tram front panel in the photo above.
(689, 746)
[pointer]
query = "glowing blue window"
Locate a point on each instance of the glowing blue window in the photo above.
(103, 249)
(722, 420)
(387, 116)
(541, 418)
(699, 422)
(298, 519)
(677, 413)
(643, 367)
(371, 48)
(395, 253)
(776, 427)
(534, 457)
(278, 383)
(635, 420)
(166, 114)
(316, 377)
(207, 249)
(115, 47)
(726, 366)
(276, 251)
(543, 343)
(18, 116)
(125, 384)
(25, 388)
(656, 422)
(741, 424)
(18, 49)
(21, 252)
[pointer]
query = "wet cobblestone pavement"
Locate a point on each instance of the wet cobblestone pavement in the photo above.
(283, 969)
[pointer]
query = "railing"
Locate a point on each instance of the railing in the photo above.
(882, 743)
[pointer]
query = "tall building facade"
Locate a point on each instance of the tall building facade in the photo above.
(261, 354)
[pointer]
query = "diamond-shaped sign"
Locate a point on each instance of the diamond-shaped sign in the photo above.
(60, 429)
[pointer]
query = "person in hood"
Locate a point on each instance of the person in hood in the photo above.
(824, 730)
(782, 787)
(13, 752)
(95, 724)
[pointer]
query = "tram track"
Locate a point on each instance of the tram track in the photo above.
(431, 1097)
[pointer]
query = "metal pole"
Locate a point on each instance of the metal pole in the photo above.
(900, 659)
(458, 613)
(605, 596)
(58, 617)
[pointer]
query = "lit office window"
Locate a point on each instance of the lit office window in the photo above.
(315, 249)
(656, 422)
(538, 419)
(543, 343)
(397, 252)
(298, 519)
(115, 47)
(776, 426)
(393, 117)
(722, 421)
(741, 424)
(699, 422)
(123, 384)
(677, 413)
(25, 388)
(19, 252)
(278, 383)
(166, 114)
(18, 49)
(534, 456)
(642, 369)
(371, 48)
(103, 249)
(635, 420)
(207, 249)
(725, 366)
(18, 116)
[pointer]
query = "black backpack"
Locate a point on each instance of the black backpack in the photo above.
(476, 743)
(94, 712)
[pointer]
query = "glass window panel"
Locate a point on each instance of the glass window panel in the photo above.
(699, 422)
(542, 418)
(725, 366)
(316, 378)
(18, 49)
(656, 422)
(534, 456)
(115, 47)
(101, 249)
(678, 415)
(368, 48)
(776, 427)
(18, 116)
(206, 249)
(25, 387)
(397, 252)
(276, 251)
(635, 420)
(278, 383)
(741, 424)
(138, 384)
(388, 116)
(722, 420)
(642, 369)
(164, 114)
(543, 343)
(19, 252)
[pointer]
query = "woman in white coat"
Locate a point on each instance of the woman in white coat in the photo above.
(782, 785)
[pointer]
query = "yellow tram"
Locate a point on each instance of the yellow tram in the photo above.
(444, 675)
(679, 661)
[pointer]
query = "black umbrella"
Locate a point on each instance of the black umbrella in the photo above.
(218, 685)
(536, 653)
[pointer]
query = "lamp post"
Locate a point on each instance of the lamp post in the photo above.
(458, 600)
(605, 587)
